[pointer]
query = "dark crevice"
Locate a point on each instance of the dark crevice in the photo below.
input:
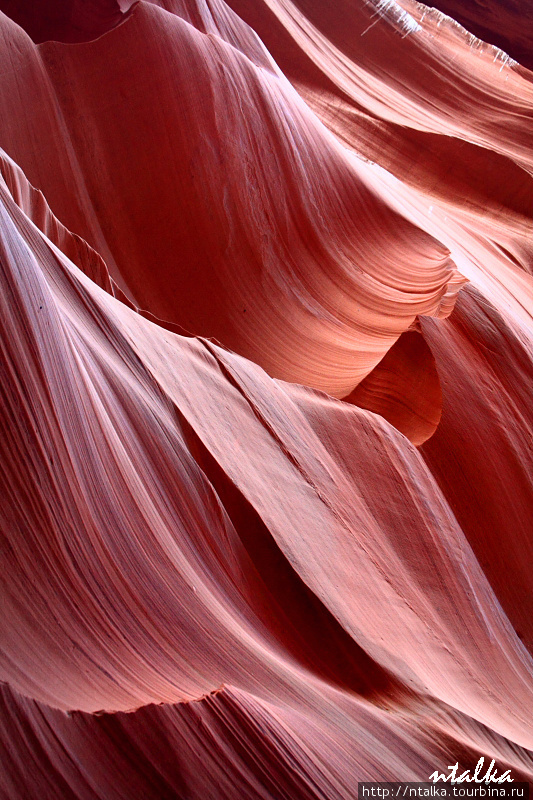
(67, 21)
(285, 605)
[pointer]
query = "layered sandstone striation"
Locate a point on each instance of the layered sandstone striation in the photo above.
(266, 362)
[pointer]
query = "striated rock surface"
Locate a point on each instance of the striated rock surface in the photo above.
(266, 459)
(505, 23)
(272, 214)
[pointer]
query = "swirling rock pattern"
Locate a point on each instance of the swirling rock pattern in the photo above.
(266, 459)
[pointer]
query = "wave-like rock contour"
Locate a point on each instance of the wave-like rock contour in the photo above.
(266, 464)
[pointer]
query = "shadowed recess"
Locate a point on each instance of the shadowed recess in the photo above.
(64, 20)
(404, 388)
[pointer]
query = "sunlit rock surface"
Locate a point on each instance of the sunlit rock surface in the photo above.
(266, 368)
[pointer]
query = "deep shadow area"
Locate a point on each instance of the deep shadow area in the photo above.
(68, 21)
(286, 606)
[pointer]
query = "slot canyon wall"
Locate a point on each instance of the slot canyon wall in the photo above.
(266, 396)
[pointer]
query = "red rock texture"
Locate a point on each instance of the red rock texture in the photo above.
(62, 21)
(266, 459)
(505, 23)
(272, 213)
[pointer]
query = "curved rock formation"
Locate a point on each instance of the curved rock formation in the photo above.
(71, 21)
(220, 579)
(508, 24)
(404, 388)
(280, 233)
